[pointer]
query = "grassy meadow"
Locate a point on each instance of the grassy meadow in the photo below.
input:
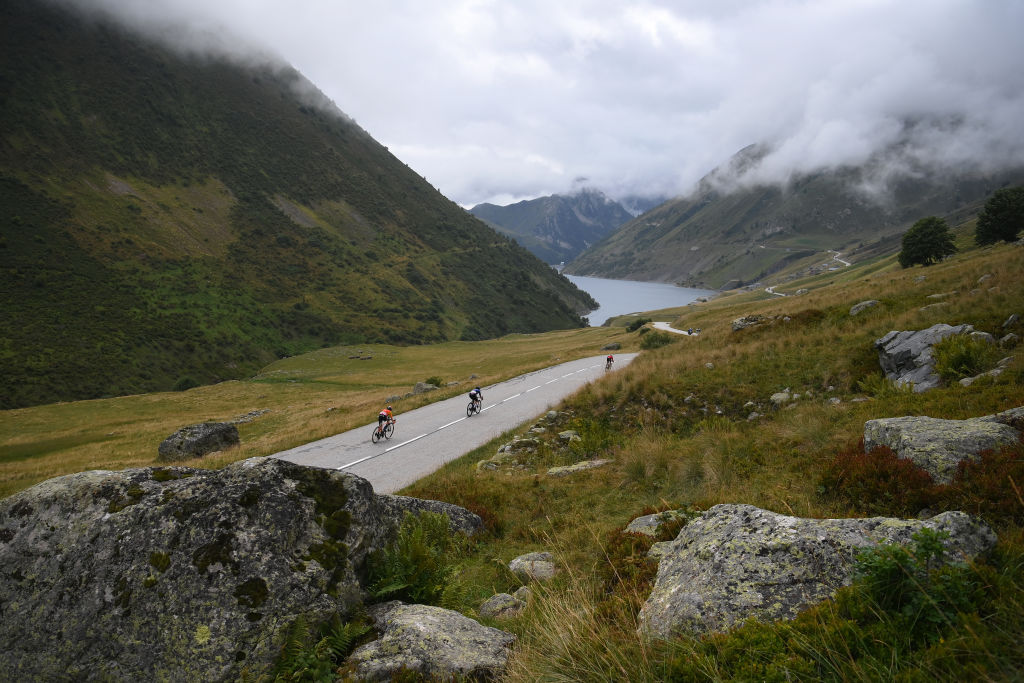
(677, 425)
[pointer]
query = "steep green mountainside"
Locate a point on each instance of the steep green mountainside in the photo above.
(556, 228)
(721, 238)
(170, 220)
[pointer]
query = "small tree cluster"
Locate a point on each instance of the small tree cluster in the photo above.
(927, 242)
(1002, 218)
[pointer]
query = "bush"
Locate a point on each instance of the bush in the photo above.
(1002, 218)
(637, 324)
(878, 482)
(990, 487)
(436, 381)
(185, 383)
(655, 340)
(927, 242)
(419, 567)
(964, 355)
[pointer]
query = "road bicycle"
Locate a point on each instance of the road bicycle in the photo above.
(608, 365)
(384, 432)
(473, 407)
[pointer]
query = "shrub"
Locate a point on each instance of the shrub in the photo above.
(637, 324)
(419, 567)
(655, 340)
(1002, 218)
(881, 386)
(878, 482)
(185, 383)
(927, 242)
(990, 487)
(963, 355)
(435, 380)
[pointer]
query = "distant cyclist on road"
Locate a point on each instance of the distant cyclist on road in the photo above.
(476, 396)
(608, 362)
(383, 417)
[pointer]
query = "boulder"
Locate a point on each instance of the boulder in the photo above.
(534, 566)
(176, 573)
(614, 346)
(649, 525)
(748, 321)
(738, 561)
(577, 467)
(197, 440)
(460, 520)
(906, 357)
(863, 306)
(501, 606)
(937, 446)
(431, 643)
(423, 388)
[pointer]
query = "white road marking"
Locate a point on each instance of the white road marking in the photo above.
(535, 388)
(451, 423)
(405, 443)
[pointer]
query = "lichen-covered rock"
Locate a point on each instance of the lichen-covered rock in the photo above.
(569, 436)
(423, 388)
(197, 440)
(937, 446)
(738, 561)
(501, 605)
(176, 573)
(435, 643)
(580, 466)
(460, 520)
(534, 566)
(748, 321)
(650, 525)
(906, 357)
(863, 306)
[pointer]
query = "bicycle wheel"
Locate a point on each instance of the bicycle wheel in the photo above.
(376, 435)
(470, 409)
(389, 429)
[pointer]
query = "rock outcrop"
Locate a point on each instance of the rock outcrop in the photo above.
(197, 440)
(938, 446)
(738, 561)
(175, 573)
(906, 357)
(430, 642)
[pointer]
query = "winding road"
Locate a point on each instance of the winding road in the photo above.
(428, 437)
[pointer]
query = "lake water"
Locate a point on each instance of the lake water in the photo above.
(618, 297)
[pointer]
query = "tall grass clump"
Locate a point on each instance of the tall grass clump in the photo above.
(964, 355)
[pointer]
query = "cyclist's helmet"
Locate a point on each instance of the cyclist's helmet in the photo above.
(478, 388)
(389, 407)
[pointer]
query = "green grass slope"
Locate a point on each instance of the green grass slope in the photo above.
(174, 219)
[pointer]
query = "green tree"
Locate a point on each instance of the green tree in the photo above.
(927, 241)
(1003, 216)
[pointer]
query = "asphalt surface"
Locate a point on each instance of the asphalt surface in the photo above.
(428, 437)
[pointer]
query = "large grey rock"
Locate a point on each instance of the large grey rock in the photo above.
(650, 525)
(197, 440)
(534, 566)
(435, 643)
(423, 388)
(935, 445)
(502, 605)
(748, 321)
(863, 306)
(583, 465)
(738, 561)
(906, 357)
(460, 520)
(176, 573)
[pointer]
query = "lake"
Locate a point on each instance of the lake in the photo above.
(618, 297)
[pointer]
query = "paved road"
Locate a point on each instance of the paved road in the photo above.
(430, 436)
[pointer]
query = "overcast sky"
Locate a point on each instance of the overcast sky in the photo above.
(512, 99)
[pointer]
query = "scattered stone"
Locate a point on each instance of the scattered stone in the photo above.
(753, 416)
(501, 606)
(935, 445)
(920, 278)
(523, 593)
(984, 278)
(748, 321)
(941, 304)
(994, 372)
(943, 295)
(738, 561)
(569, 436)
(431, 643)
(863, 306)
(534, 566)
(1012, 320)
(577, 467)
(423, 388)
(248, 417)
(198, 440)
(1009, 341)
(709, 366)
(780, 398)
(835, 400)
(649, 525)
(801, 291)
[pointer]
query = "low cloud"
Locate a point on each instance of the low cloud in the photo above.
(493, 101)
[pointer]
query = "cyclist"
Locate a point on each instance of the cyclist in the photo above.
(476, 396)
(383, 417)
(608, 362)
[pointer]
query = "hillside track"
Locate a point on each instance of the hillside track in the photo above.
(428, 437)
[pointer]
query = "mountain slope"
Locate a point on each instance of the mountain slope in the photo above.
(180, 219)
(725, 235)
(556, 228)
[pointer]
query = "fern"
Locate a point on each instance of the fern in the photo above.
(306, 658)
